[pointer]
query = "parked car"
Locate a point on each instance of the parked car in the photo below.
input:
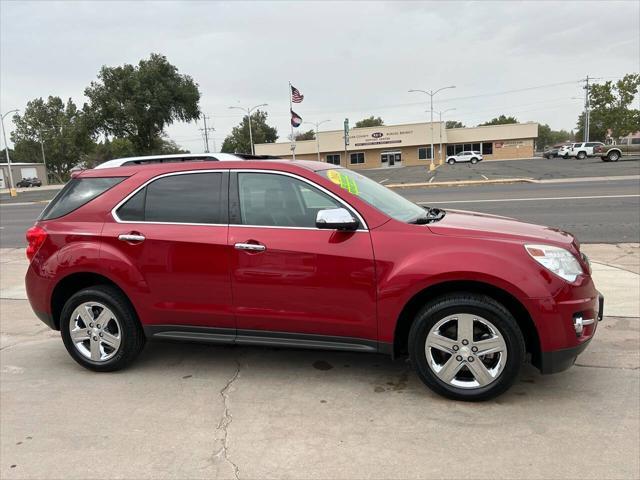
(552, 152)
(310, 255)
(624, 147)
(470, 156)
(29, 182)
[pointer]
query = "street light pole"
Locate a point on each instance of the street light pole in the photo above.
(431, 93)
(440, 136)
(249, 110)
(6, 150)
(317, 125)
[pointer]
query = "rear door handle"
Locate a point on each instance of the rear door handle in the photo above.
(253, 247)
(131, 237)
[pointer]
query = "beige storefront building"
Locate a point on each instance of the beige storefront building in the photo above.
(410, 144)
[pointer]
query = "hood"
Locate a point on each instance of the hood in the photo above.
(461, 223)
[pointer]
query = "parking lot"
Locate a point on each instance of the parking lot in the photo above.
(197, 411)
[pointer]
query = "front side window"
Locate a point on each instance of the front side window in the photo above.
(376, 195)
(187, 198)
(356, 158)
(273, 200)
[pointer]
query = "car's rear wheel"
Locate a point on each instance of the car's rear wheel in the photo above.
(613, 156)
(474, 160)
(582, 155)
(451, 161)
(466, 347)
(100, 329)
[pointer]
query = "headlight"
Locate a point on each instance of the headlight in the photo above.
(557, 260)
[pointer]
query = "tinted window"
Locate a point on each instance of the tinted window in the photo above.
(189, 198)
(280, 201)
(334, 159)
(77, 193)
(487, 148)
(635, 141)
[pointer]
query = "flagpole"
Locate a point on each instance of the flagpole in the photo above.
(293, 138)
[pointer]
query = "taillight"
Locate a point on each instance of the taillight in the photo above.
(35, 237)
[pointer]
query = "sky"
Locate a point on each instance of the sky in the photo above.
(349, 59)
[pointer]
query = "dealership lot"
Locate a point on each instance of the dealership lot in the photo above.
(195, 411)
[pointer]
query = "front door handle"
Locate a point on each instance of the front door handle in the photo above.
(253, 247)
(131, 237)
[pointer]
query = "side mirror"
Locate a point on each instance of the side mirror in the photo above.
(336, 219)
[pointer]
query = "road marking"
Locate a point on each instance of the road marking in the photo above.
(385, 180)
(432, 179)
(486, 178)
(530, 199)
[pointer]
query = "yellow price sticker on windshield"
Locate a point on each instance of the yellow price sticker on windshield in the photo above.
(349, 184)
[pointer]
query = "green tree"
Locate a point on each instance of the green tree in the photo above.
(548, 137)
(370, 122)
(610, 109)
(308, 135)
(238, 140)
(501, 120)
(138, 102)
(63, 130)
(123, 147)
(453, 124)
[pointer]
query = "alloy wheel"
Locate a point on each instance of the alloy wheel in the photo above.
(466, 351)
(95, 331)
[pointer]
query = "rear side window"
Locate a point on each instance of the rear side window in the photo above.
(76, 193)
(188, 198)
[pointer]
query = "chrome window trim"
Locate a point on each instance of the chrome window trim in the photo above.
(315, 185)
(276, 172)
(170, 174)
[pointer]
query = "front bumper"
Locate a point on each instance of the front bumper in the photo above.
(562, 359)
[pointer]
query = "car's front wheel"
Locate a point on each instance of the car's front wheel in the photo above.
(582, 155)
(100, 329)
(466, 346)
(451, 161)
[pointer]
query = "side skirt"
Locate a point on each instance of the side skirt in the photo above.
(263, 338)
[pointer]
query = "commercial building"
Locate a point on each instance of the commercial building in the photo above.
(22, 170)
(410, 144)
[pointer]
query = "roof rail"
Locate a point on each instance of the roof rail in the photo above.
(173, 158)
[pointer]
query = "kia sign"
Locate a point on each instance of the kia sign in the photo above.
(377, 135)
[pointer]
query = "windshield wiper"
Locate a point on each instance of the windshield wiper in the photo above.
(431, 215)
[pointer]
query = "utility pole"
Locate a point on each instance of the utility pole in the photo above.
(206, 131)
(12, 187)
(586, 110)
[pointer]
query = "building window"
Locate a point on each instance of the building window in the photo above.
(467, 147)
(333, 159)
(475, 147)
(424, 153)
(459, 148)
(356, 158)
(451, 150)
(487, 148)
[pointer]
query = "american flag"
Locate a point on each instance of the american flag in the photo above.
(296, 96)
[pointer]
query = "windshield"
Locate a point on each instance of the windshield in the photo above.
(376, 195)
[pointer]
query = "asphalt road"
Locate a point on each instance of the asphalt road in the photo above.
(604, 211)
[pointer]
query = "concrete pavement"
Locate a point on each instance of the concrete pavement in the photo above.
(196, 411)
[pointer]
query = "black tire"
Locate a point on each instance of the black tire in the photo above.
(451, 161)
(474, 304)
(474, 161)
(581, 155)
(132, 337)
(604, 159)
(565, 156)
(613, 156)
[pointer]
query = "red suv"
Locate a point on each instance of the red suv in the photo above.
(309, 255)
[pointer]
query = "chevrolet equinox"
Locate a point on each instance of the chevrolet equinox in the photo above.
(309, 255)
